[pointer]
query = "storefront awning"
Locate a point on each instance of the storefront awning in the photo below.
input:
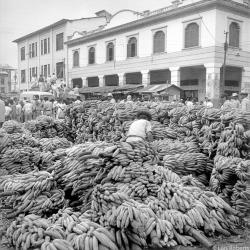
(159, 88)
(110, 89)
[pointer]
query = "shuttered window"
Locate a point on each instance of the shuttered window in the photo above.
(110, 52)
(192, 35)
(92, 55)
(234, 35)
(76, 58)
(159, 42)
(132, 47)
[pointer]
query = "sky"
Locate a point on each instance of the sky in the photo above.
(20, 17)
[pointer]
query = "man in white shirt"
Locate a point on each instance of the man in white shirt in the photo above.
(245, 103)
(207, 103)
(28, 108)
(2, 112)
(140, 129)
(78, 100)
(111, 99)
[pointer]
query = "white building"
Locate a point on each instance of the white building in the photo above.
(182, 44)
(43, 52)
(8, 79)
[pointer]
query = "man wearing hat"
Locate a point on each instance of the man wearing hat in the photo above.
(111, 98)
(245, 103)
(234, 102)
(141, 128)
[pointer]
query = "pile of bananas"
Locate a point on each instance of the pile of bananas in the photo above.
(232, 141)
(47, 127)
(196, 164)
(64, 230)
(230, 179)
(172, 147)
(136, 198)
(12, 127)
(20, 160)
(51, 144)
(34, 192)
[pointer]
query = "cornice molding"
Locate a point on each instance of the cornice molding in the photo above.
(168, 15)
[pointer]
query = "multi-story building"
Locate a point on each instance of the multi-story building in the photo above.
(43, 52)
(182, 44)
(8, 79)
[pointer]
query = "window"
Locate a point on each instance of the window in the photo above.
(2, 89)
(45, 46)
(191, 35)
(22, 53)
(234, 35)
(33, 50)
(159, 42)
(132, 47)
(190, 82)
(110, 52)
(33, 72)
(45, 72)
(41, 47)
(45, 51)
(91, 55)
(232, 83)
(76, 58)
(59, 41)
(23, 77)
(59, 70)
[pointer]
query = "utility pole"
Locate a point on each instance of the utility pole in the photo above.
(224, 64)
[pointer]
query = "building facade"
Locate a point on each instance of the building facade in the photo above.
(43, 52)
(8, 79)
(182, 44)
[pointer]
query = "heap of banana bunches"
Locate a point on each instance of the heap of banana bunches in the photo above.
(128, 202)
(20, 152)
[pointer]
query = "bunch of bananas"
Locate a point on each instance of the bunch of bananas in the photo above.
(20, 160)
(51, 144)
(196, 164)
(232, 141)
(33, 192)
(47, 127)
(172, 147)
(12, 127)
(230, 179)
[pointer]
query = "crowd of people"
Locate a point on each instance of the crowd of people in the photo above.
(26, 110)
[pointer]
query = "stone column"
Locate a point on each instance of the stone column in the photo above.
(121, 79)
(213, 82)
(84, 82)
(175, 75)
(245, 79)
(101, 81)
(145, 77)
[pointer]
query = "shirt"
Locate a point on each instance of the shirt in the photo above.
(245, 104)
(48, 106)
(77, 102)
(208, 104)
(112, 101)
(226, 105)
(28, 107)
(140, 128)
(7, 110)
(235, 104)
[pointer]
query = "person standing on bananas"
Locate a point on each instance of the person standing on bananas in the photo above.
(140, 129)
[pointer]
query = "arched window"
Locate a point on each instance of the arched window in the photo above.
(132, 47)
(76, 58)
(234, 35)
(159, 42)
(92, 55)
(110, 52)
(192, 35)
